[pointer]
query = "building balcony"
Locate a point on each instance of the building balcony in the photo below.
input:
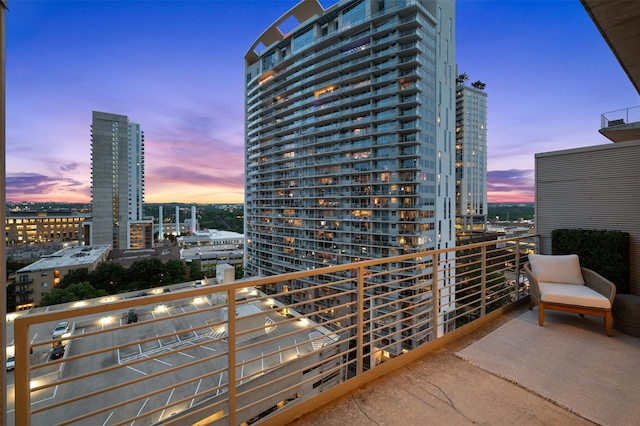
(174, 365)
(621, 125)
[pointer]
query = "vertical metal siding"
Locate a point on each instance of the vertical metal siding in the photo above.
(591, 188)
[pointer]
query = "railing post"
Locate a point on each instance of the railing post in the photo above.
(231, 349)
(483, 281)
(360, 319)
(517, 270)
(436, 294)
(21, 373)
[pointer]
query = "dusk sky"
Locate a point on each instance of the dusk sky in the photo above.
(177, 68)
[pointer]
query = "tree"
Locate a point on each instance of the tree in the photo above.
(462, 79)
(14, 266)
(478, 85)
(239, 272)
(194, 271)
(75, 291)
(175, 271)
(57, 296)
(11, 297)
(75, 276)
(85, 290)
(149, 271)
(110, 277)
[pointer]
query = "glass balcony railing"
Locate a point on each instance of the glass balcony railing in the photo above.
(620, 117)
(257, 348)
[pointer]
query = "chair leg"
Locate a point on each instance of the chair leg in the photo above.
(607, 323)
(530, 303)
(541, 313)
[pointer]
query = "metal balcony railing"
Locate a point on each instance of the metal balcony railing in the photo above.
(267, 348)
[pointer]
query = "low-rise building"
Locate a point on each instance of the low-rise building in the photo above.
(126, 258)
(211, 247)
(39, 227)
(219, 240)
(39, 278)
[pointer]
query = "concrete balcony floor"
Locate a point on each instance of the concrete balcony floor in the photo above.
(442, 389)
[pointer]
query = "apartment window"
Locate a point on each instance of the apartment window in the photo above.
(354, 14)
(268, 61)
(303, 39)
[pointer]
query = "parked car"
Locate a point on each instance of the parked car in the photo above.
(57, 351)
(132, 316)
(11, 361)
(61, 329)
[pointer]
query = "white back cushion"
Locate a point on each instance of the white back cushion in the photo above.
(563, 269)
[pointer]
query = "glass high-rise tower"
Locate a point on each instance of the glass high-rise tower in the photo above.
(350, 136)
(471, 159)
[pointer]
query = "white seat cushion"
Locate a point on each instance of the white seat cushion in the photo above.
(564, 269)
(575, 295)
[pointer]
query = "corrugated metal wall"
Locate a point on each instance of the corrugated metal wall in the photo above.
(591, 188)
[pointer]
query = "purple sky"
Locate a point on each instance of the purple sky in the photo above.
(177, 68)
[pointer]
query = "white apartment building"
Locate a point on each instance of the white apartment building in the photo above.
(350, 144)
(117, 184)
(471, 159)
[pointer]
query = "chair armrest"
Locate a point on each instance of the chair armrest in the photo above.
(534, 290)
(599, 283)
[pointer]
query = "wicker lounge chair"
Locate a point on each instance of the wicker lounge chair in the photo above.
(559, 283)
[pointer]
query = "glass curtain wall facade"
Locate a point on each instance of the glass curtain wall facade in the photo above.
(349, 146)
(471, 160)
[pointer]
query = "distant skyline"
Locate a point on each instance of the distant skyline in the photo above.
(177, 68)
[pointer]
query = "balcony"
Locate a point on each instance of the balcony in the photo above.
(174, 365)
(366, 364)
(622, 125)
(391, 350)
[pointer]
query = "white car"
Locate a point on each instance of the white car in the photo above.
(11, 362)
(61, 329)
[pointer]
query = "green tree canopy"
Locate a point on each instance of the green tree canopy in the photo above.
(110, 277)
(57, 296)
(149, 271)
(74, 292)
(174, 271)
(194, 271)
(75, 276)
(85, 290)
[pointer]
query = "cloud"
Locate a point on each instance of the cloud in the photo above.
(69, 167)
(510, 185)
(38, 187)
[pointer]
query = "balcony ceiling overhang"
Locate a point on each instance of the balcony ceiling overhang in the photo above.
(619, 23)
(624, 133)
